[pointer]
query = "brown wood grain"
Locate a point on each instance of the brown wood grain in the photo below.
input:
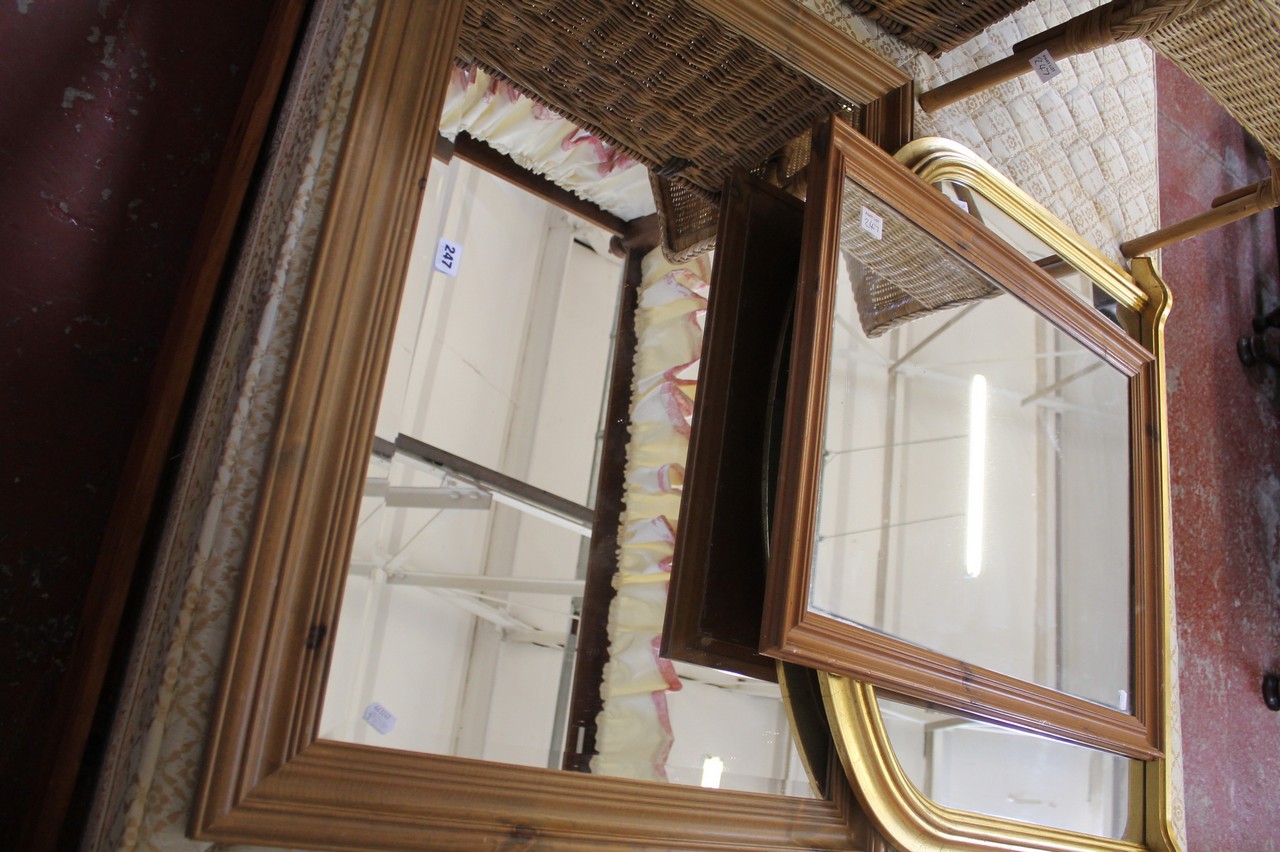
(721, 555)
(481, 155)
(267, 780)
(591, 631)
(889, 120)
(808, 44)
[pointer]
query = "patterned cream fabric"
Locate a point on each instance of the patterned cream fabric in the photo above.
(634, 733)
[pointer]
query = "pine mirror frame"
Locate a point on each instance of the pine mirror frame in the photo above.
(792, 630)
(906, 817)
(267, 779)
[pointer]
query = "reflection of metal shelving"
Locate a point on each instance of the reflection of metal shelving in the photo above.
(496, 486)
(478, 488)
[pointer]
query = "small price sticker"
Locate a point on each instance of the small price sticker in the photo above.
(379, 718)
(1046, 69)
(872, 223)
(962, 204)
(448, 256)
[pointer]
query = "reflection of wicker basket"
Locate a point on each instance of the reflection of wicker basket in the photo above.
(901, 275)
(935, 26)
(689, 218)
(662, 80)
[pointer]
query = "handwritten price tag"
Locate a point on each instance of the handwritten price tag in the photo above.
(1046, 68)
(872, 224)
(448, 256)
(379, 718)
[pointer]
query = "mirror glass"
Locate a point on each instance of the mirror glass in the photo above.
(1033, 248)
(974, 766)
(975, 486)
(460, 622)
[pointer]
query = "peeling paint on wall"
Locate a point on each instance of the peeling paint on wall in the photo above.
(71, 94)
(109, 48)
(96, 90)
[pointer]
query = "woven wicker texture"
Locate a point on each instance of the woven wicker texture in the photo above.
(1112, 23)
(661, 79)
(935, 26)
(689, 219)
(905, 274)
(1232, 48)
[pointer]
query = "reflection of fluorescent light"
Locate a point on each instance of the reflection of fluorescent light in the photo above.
(712, 768)
(977, 474)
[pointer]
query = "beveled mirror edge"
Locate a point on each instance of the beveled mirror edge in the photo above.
(907, 818)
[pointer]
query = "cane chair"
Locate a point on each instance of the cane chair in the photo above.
(934, 26)
(1230, 47)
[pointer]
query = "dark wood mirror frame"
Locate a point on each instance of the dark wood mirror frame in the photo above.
(792, 631)
(717, 590)
(267, 779)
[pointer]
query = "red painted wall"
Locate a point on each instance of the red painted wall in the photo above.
(113, 114)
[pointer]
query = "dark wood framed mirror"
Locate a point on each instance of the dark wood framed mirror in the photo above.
(722, 553)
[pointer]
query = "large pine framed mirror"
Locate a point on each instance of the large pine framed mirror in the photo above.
(306, 749)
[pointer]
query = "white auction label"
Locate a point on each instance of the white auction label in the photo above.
(872, 224)
(962, 204)
(1046, 68)
(448, 256)
(379, 718)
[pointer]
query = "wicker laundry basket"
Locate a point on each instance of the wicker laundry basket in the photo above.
(896, 276)
(660, 79)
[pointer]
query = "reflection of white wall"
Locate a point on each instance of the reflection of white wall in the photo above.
(1022, 777)
(1052, 592)
(750, 733)
(989, 619)
(1094, 606)
(972, 766)
(504, 365)
(418, 683)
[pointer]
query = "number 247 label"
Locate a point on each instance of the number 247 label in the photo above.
(1046, 69)
(448, 256)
